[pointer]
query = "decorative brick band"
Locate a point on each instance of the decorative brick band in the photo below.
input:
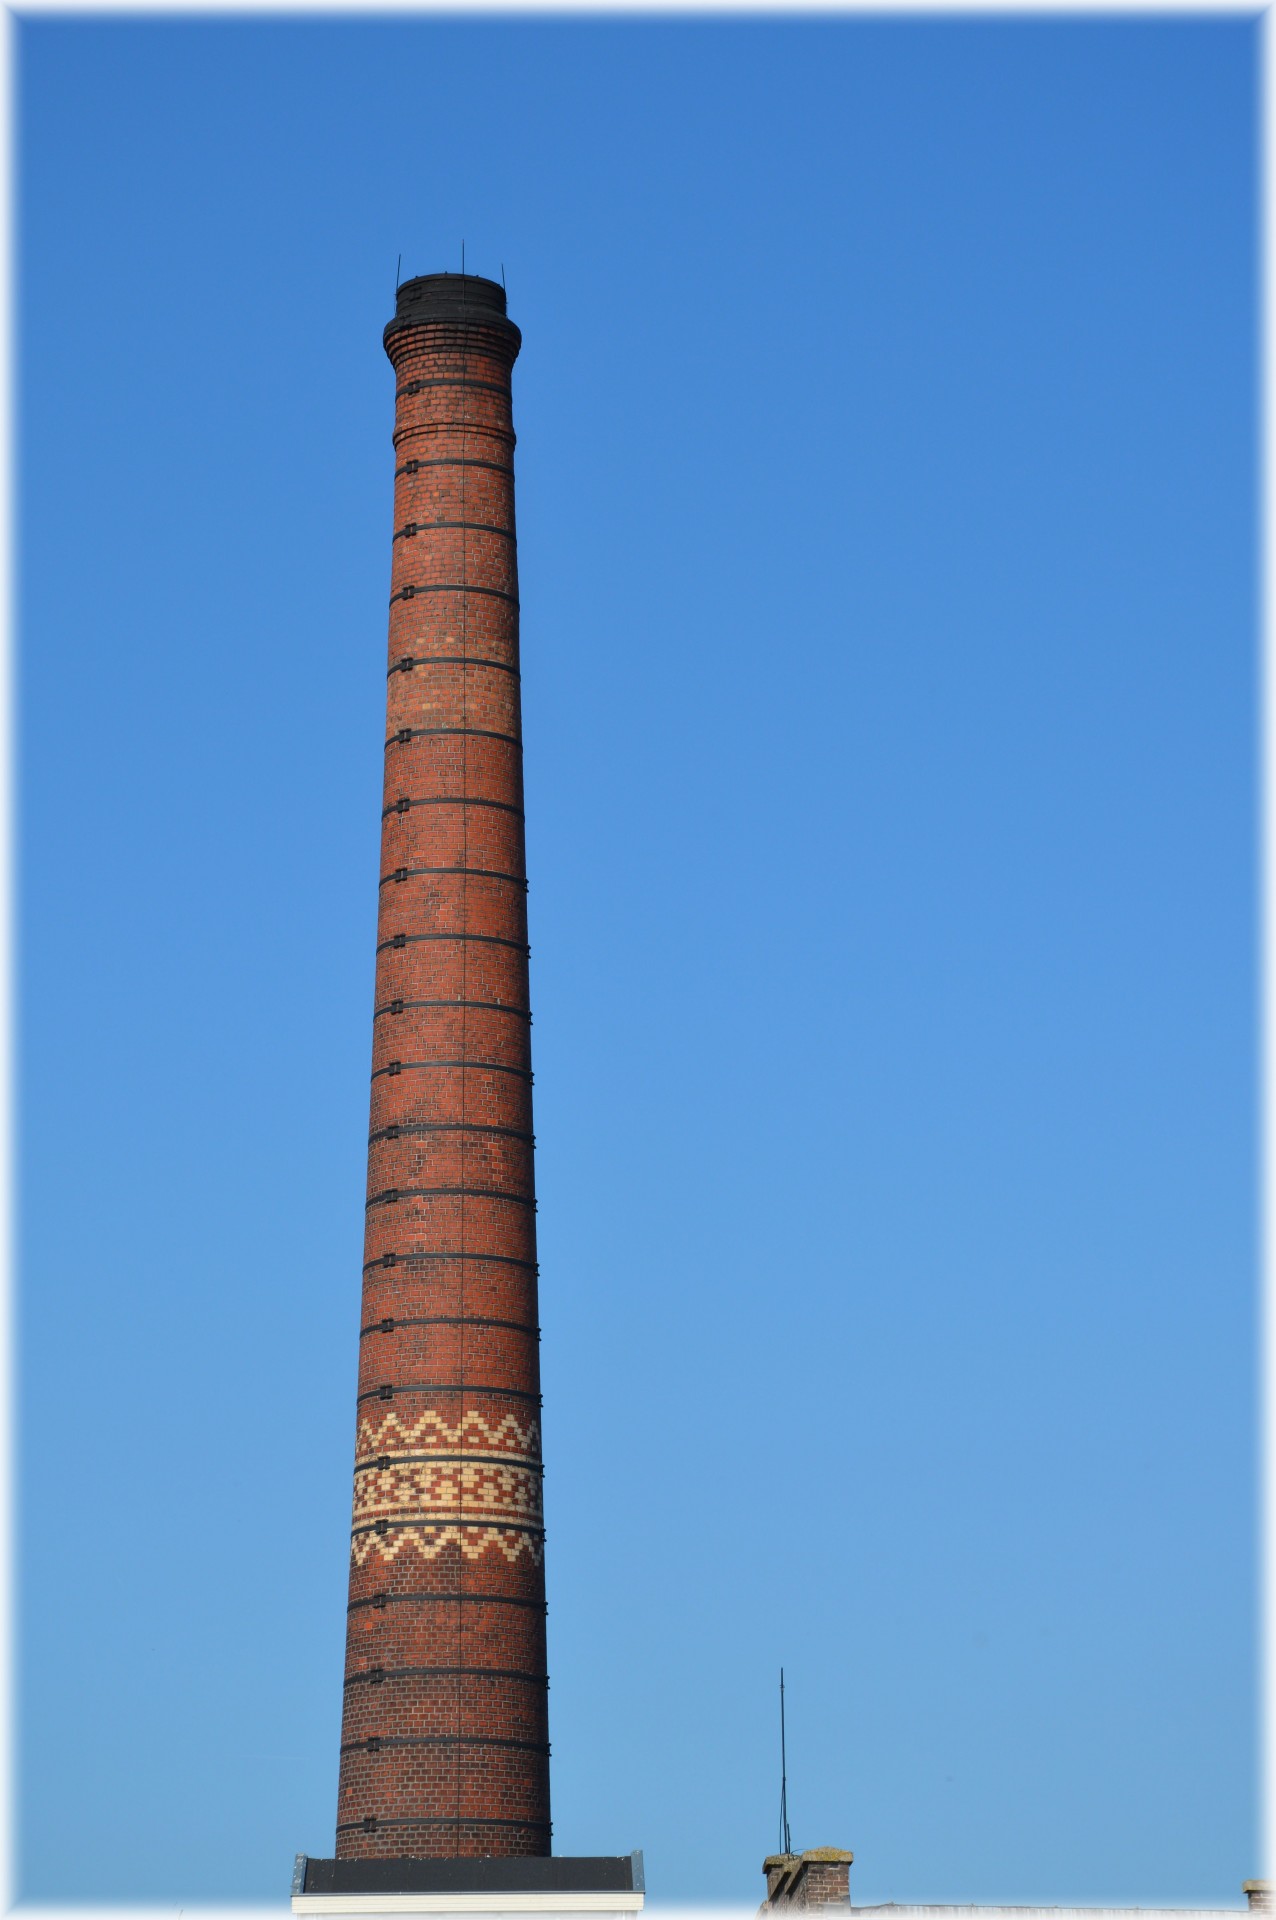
(472, 1540)
(495, 1434)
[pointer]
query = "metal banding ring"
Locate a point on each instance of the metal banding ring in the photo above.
(387, 1599)
(398, 1128)
(407, 662)
(382, 1742)
(457, 1386)
(449, 1820)
(414, 466)
(411, 528)
(478, 386)
(400, 874)
(411, 591)
(396, 1067)
(494, 1523)
(447, 799)
(477, 1456)
(419, 1255)
(485, 939)
(449, 1673)
(402, 735)
(391, 1195)
(484, 1006)
(448, 1320)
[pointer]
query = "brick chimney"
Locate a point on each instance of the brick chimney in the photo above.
(820, 1877)
(444, 1742)
(1258, 1895)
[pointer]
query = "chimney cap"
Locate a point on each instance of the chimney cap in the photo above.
(466, 299)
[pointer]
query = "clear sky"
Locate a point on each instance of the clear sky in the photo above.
(887, 549)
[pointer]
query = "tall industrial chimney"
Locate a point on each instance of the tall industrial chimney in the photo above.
(444, 1745)
(444, 1775)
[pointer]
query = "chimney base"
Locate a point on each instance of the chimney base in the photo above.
(564, 1885)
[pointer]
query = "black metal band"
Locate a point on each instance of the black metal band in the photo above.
(393, 1194)
(414, 466)
(401, 874)
(411, 528)
(443, 1820)
(418, 1257)
(451, 586)
(396, 1067)
(407, 662)
(399, 1127)
(439, 1521)
(448, 1673)
(486, 1006)
(380, 1600)
(441, 1386)
(382, 1462)
(403, 734)
(392, 1323)
(412, 429)
(483, 939)
(448, 800)
(382, 1743)
(477, 386)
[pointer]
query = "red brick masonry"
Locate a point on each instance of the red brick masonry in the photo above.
(444, 1745)
(820, 1877)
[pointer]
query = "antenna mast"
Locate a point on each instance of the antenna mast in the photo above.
(786, 1844)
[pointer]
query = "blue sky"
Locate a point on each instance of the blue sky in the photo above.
(887, 552)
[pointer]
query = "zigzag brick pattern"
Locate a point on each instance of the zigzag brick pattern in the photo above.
(444, 1746)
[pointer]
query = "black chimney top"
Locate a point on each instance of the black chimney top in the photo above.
(454, 299)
